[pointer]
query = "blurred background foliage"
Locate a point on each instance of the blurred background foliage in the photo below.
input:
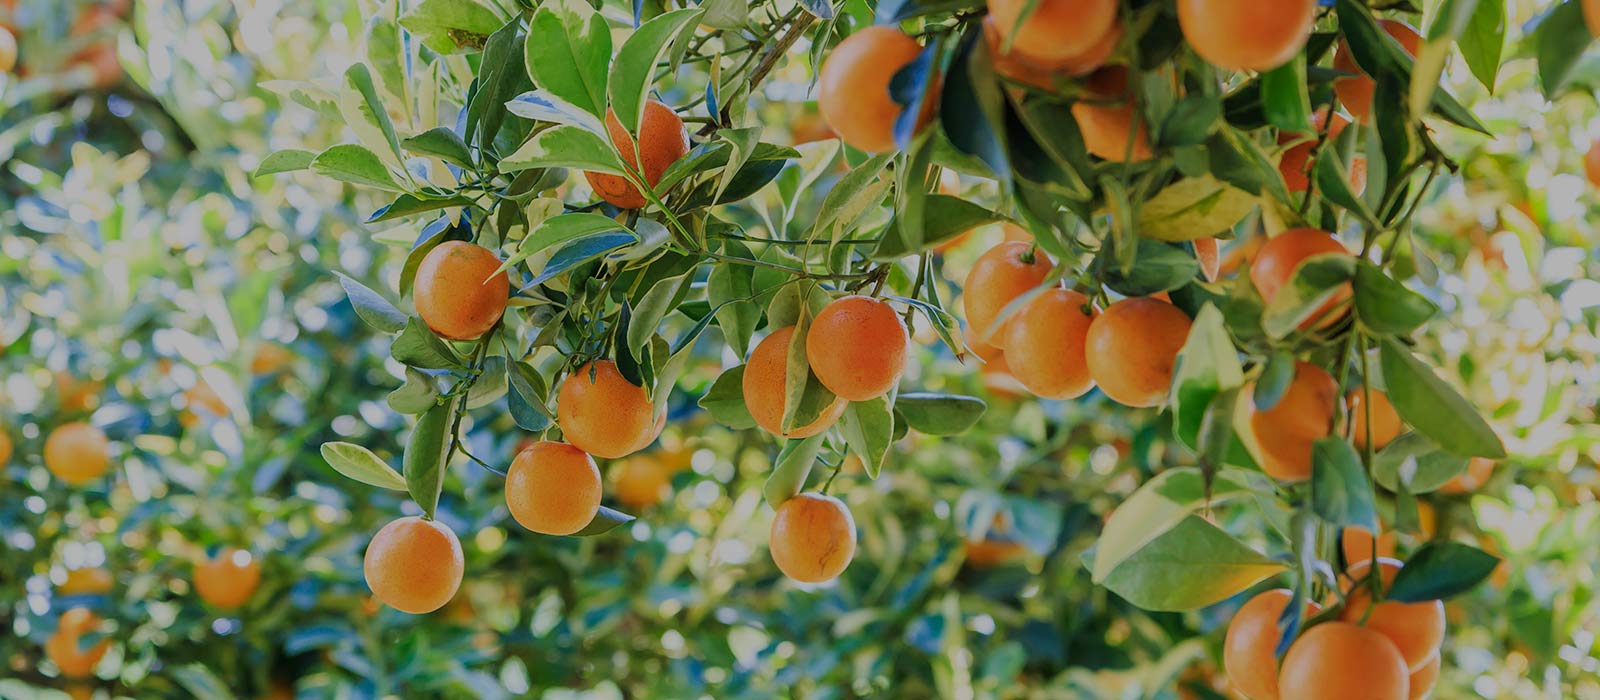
(147, 284)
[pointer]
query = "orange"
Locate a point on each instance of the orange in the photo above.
(1043, 73)
(765, 377)
(809, 127)
(1385, 421)
(553, 488)
(1423, 679)
(1132, 347)
(857, 347)
(1280, 437)
(1296, 163)
(1356, 92)
(1206, 251)
(63, 646)
(1054, 29)
(1109, 119)
(1358, 544)
(8, 50)
(1000, 275)
(76, 395)
(813, 538)
(1479, 470)
(77, 453)
(661, 143)
(269, 358)
(1249, 651)
(1417, 629)
(642, 481)
(1276, 262)
(201, 400)
(1591, 16)
(5, 449)
(1342, 661)
(85, 581)
(604, 415)
(1247, 34)
(988, 553)
(458, 291)
(227, 580)
(414, 565)
(1591, 161)
(1045, 344)
(853, 87)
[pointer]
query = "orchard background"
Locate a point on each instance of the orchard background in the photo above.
(215, 220)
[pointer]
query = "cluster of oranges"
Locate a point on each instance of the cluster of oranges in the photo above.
(1368, 648)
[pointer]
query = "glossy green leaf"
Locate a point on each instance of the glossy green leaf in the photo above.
(359, 463)
(1428, 404)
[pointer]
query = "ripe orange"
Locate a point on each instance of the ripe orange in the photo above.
(63, 646)
(1358, 544)
(642, 481)
(5, 449)
(661, 143)
(76, 395)
(1296, 163)
(1043, 73)
(86, 581)
(1000, 275)
(1591, 16)
(1342, 661)
(1423, 679)
(1417, 629)
(606, 415)
(458, 292)
(1280, 438)
(228, 580)
(1207, 252)
(1247, 34)
(1276, 262)
(1591, 161)
(1479, 471)
(8, 50)
(1132, 347)
(857, 347)
(1109, 119)
(1356, 92)
(414, 565)
(271, 357)
(553, 488)
(813, 538)
(77, 453)
(989, 552)
(1385, 421)
(1045, 344)
(1249, 651)
(765, 375)
(1054, 29)
(853, 87)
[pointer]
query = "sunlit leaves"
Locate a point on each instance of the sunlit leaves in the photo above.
(633, 70)
(452, 26)
(1428, 404)
(372, 307)
(568, 53)
(360, 464)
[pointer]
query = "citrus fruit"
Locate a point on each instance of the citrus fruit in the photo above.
(1000, 275)
(227, 580)
(765, 377)
(414, 565)
(853, 87)
(458, 291)
(1591, 16)
(553, 488)
(661, 143)
(1053, 29)
(1109, 119)
(1280, 437)
(5, 449)
(1358, 544)
(85, 581)
(602, 413)
(1591, 162)
(1385, 421)
(1355, 92)
(641, 481)
(8, 50)
(1479, 470)
(1275, 264)
(1296, 163)
(1249, 651)
(63, 647)
(813, 538)
(1247, 34)
(857, 347)
(1132, 347)
(1045, 344)
(1417, 629)
(1044, 73)
(77, 453)
(1423, 679)
(1342, 661)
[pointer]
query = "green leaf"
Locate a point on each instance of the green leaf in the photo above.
(1315, 281)
(725, 400)
(943, 218)
(653, 307)
(1440, 570)
(1162, 267)
(868, 428)
(940, 414)
(366, 115)
(1414, 464)
(1483, 41)
(605, 520)
(1274, 382)
(560, 230)
(1562, 38)
(1386, 306)
(526, 398)
(1333, 181)
(855, 193)
(565, 147)
(356, 165)
(1194, 207)
(793, 467)
(1157, 506)
(568, 52)
(452, 26)
(201, 683)
(1284, 97)
(1187, 567)
(441, 143)
(357, 462)
(491, 384)
(1207, 365)
(805, 399)
(285, 161)
(743, 142)
(371, 306)
(426, 450)
(501, 76)
(416, 395)
(1340, 493)
(633, 71)
(1190, 122)
(411, 205)
(1434, 409)
(729, 290)
(419, 347)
